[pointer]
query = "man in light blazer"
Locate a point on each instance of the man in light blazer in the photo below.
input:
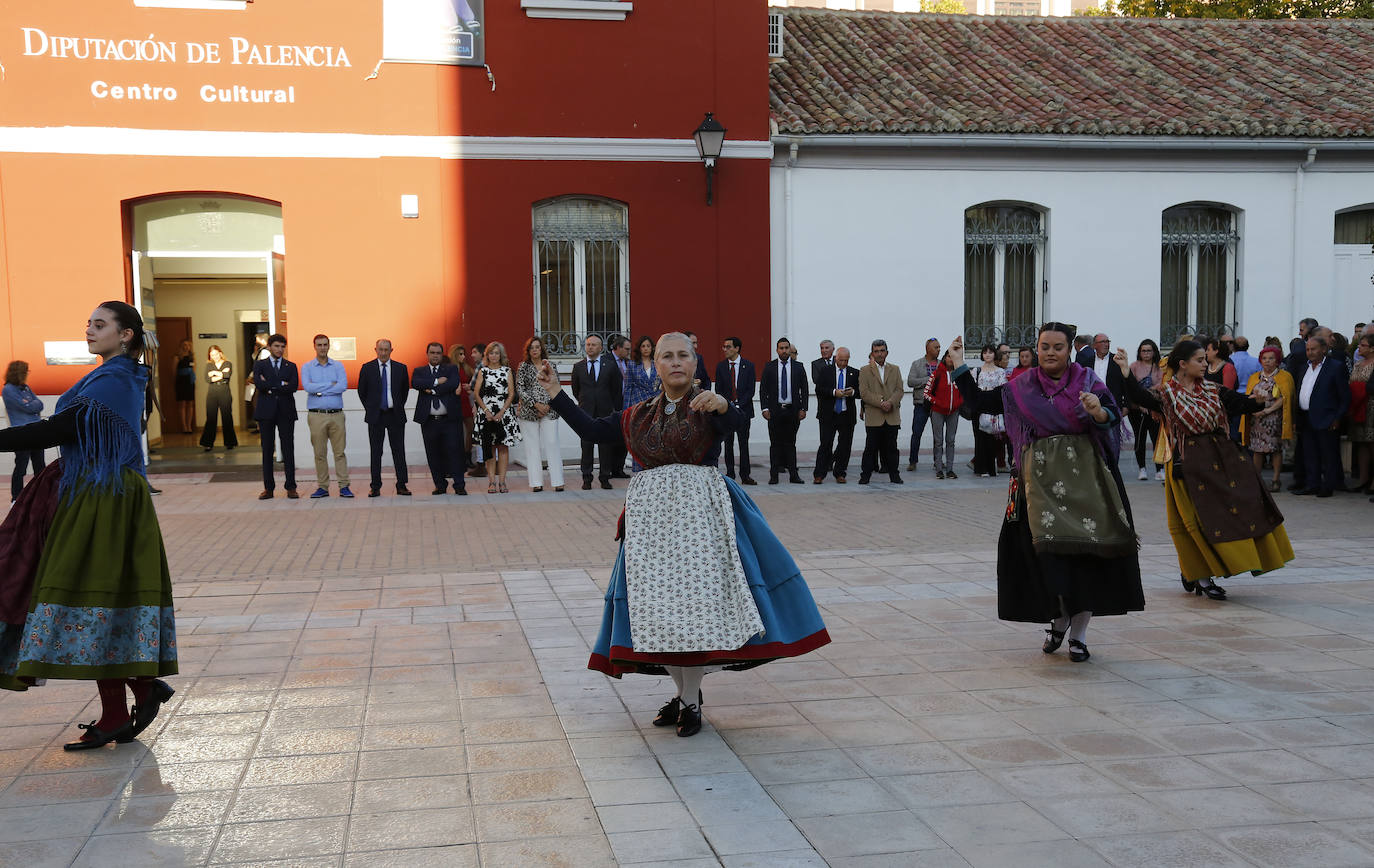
(837, 388)
(598, 390)
(735, 380)
(880, 386)
(277, 380)
(439, 411)
(383, 386)
(784, 397)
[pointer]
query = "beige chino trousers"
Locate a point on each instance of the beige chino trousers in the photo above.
(327, 430)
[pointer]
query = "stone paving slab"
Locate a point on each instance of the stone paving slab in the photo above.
(402, 682)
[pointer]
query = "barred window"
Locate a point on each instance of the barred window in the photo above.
(581, 272)
(1197, 283)
(1004, 273)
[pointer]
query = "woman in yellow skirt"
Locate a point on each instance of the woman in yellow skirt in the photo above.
(1221, 516)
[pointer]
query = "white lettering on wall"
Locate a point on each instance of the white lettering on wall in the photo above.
(248, 53)
(243, 93)
(144, 91)
(150, 49)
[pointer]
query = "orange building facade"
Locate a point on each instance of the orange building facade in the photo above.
(236, 168)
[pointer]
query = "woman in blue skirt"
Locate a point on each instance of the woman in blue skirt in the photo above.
(700, 582)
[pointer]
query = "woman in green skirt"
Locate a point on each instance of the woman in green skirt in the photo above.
(84, 588)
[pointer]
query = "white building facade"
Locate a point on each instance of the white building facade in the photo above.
(938, 175)
(907, 238)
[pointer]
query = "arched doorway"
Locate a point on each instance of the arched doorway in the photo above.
(208, 268)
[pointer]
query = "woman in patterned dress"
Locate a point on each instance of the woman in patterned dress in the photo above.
(642, 382)
(701, 581)
(498, 428)
(1361, 429)
(1067, 550)
(84, 588)
(1263, 433)
(1222, 518)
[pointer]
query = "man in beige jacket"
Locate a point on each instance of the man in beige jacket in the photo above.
(880, 387)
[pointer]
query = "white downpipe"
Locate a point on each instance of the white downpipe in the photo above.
(787, 235)
(1299, 175)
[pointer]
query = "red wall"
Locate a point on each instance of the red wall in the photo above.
(462, 272)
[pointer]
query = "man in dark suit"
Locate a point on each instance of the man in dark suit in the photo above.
(1323, 398)
(1083, 351)
(825, 363)
(597, 388)
(440, 414)
(1107, 370)
(836, 388)
(277, 380)
(383, 386)
(620, 356)
(735, 380)
(783, 396)
(702, 377)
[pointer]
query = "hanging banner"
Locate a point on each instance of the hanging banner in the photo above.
(433, 31)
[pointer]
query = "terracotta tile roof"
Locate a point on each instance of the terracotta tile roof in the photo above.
(866, 72)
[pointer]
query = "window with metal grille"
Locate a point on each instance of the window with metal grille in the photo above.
(1004, 273)
(1197, 277)
(775, 34)
(581, 272)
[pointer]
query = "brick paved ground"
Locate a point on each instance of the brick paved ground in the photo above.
(401, 682)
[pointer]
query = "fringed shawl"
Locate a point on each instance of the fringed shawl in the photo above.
(1037, 406)
(109, 405)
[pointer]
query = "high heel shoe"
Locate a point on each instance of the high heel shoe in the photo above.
(96, 737)
(1053, 640)
(1213, 591)
(144, 713)
(1078, 652)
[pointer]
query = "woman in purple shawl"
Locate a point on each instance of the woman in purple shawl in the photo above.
(1067, 547)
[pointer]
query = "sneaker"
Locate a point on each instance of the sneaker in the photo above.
(950, 474)
(939, 474)
(1159, 475)
(318, 493)
(1144, 474)
(345, 492)
(910, 466)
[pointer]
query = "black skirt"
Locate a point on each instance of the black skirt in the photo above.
(1029, 584)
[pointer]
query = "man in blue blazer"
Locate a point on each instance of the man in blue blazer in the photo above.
(383, 386)
(1323, 398)
(735, 380)
(784, 396)
(276, 380)
(440, 415)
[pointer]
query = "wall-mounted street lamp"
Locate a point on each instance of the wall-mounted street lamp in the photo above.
(710, 138)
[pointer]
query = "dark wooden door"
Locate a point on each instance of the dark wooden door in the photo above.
(171, 331)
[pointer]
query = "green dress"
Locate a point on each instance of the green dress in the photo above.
(100, 597)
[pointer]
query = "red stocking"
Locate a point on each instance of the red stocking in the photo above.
(113, 709)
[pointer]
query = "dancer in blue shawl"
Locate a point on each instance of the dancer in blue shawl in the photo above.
(1068, 547)
(84, 587)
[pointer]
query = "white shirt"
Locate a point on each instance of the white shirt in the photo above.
(1309, 382)
(1101, 365)
(785, 385)
(436, 406)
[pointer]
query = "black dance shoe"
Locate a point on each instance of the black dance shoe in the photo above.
(1213, 591)
(670, 712)
(145, 713)
(1189, 587)
(1078, 652)
(1053, 639)
(94, 737)
(689, 721)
